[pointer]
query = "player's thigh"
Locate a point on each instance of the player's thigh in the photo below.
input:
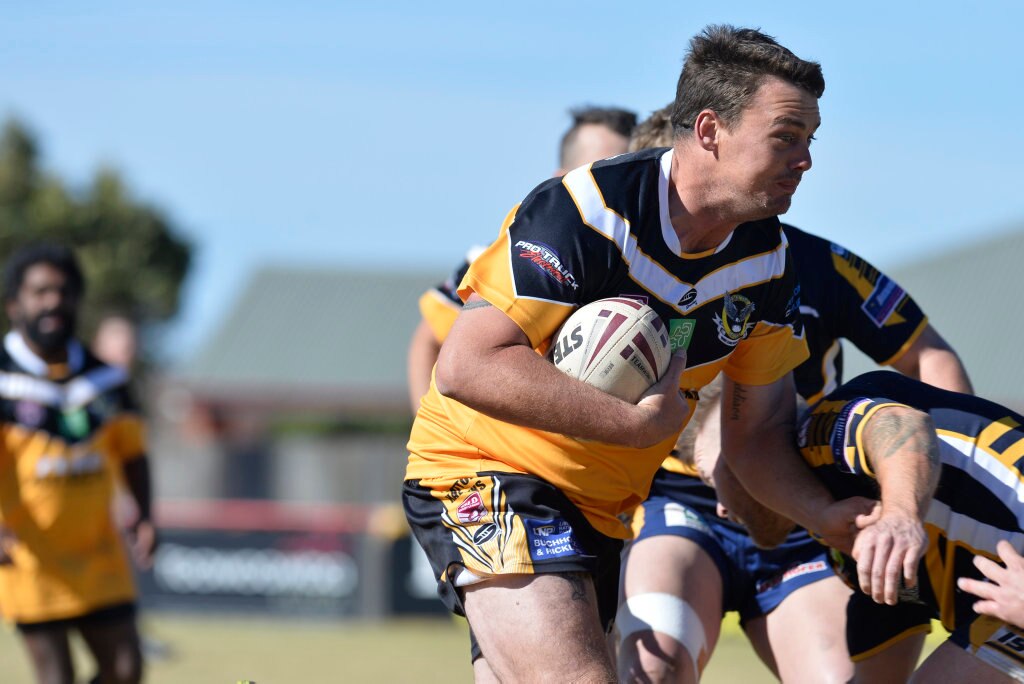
(951, 663)
(670, 610)
(115, 644)
(50, 653)
(537, 628)
(806, 633)
(892, 665)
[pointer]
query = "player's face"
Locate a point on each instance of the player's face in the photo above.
(45, 308)
(766, 152)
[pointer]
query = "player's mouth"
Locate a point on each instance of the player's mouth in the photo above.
(789, 185)
(49, 323)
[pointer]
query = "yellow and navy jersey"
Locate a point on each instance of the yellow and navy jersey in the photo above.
(440, 305)
(603, 230)
(980, 496)
(63, 429)
(842, 296)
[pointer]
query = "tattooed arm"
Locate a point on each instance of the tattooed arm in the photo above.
(759, 446)
(902, 449)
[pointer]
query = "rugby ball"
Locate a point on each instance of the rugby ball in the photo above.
(619, 345)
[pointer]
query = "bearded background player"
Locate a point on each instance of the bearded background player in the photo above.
(67, 425)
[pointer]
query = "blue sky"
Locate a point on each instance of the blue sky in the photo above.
(393, 135)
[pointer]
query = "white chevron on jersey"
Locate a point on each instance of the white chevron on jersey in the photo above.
(652, 275)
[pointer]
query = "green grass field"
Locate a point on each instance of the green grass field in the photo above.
(217, 649)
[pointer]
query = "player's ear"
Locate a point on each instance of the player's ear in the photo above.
(706, 128)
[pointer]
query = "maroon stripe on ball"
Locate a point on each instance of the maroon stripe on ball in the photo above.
(626, 352)
(614, 324)
(641, 343)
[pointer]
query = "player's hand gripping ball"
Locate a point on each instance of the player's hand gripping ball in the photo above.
(618, 345)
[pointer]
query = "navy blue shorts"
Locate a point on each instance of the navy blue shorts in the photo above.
(754, 581)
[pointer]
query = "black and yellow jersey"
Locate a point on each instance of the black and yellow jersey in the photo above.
(980, 495)
(63, 429)
(842, 296)
(603, 230)
(440, 305)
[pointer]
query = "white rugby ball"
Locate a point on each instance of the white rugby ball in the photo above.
(619, 345)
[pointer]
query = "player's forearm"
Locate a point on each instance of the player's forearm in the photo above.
(773, 472)
(137, 480)
(759, 446)
(943, 368)
(516, 385)
(932, 360)
(903, 451)
(767, 528)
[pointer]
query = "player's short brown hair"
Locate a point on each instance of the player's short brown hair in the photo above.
(725, 67)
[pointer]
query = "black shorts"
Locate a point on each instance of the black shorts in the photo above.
(114, 613)
(491, 523)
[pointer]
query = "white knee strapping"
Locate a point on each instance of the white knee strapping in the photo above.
(667, 614)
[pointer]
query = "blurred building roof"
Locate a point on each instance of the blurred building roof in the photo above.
(306, 338)
(972, 296)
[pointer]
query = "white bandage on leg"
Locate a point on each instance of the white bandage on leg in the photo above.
(667, 614)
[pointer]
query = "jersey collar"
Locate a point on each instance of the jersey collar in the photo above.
(15, 345)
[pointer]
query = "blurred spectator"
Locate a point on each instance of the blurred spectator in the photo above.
(62, 565)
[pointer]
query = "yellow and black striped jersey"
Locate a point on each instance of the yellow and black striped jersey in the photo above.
(603, 230)
(980, 495)
(842, 296)
(63, 429)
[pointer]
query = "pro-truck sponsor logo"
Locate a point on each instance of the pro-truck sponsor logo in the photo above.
(548, 261)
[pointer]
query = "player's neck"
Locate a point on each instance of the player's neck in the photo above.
(699, 221)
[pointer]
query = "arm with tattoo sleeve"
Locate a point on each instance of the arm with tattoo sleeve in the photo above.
(902, 449)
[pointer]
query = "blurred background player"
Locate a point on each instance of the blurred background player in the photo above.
(687, 566)
(595, 133)
(68, 424)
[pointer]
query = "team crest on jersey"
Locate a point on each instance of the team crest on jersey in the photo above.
(472, 509)
(734, 323)
(548, 261)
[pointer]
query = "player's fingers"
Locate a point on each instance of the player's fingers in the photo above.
(989, 568)
(892, 574)
(985, 590)
(911, 560)
(882, 574)
(988, 608)
(871, 511)
(863, 553)
(1009, 554)
(722, 511)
